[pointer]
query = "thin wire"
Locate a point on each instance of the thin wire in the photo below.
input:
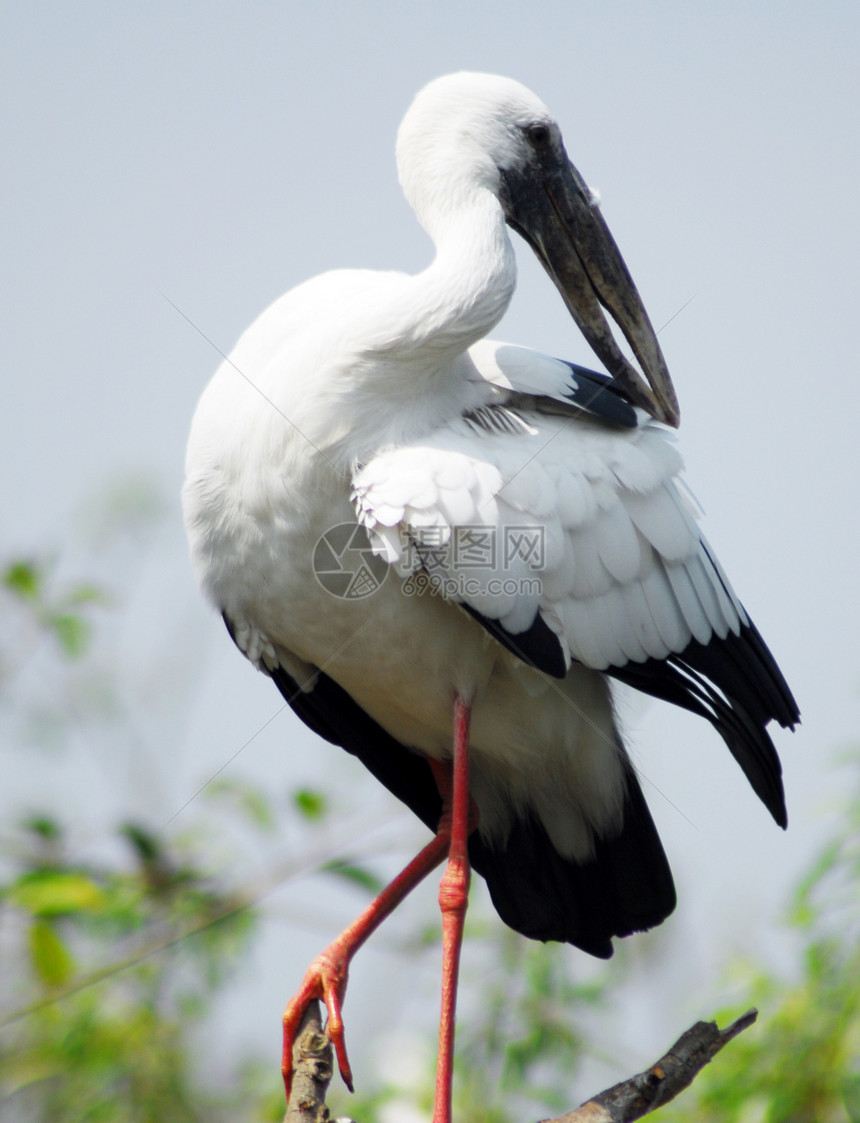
(229, 360)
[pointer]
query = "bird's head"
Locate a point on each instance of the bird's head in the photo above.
(479, 131)
(460, 132)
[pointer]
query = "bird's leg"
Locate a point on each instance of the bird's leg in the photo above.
(326, 977)
(453, 900)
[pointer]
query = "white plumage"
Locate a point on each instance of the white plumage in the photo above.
(625, 572)
(375, 397)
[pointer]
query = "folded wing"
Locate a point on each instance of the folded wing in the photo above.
(570, 537)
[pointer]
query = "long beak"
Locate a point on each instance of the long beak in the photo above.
(558, 218)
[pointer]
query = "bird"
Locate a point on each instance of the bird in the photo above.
(445, 550)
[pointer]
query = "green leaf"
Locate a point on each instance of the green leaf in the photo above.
(312, 805)
(44, 827)
(85, 593)
(72, 631)
(23, 578)
(250, 801)
(356, 875)
(52, 962)
(53, 893)
(144, 843)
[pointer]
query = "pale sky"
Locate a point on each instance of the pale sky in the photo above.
(209, 157)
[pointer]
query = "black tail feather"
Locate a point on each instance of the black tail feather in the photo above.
(626, 887)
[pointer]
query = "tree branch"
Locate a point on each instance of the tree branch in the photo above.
(645, 1092)
(312, 1070)
(625, 1102)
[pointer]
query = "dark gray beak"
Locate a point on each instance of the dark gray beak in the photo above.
(550, 205)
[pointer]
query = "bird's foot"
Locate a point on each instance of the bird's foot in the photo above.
(327, 976)
(325, 979)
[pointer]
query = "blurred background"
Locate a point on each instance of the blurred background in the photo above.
(168, 170)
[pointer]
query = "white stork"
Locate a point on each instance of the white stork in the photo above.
(530, 540)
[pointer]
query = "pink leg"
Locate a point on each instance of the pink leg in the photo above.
(453, 900)
(326, 977)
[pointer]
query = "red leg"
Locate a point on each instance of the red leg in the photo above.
(453, 900)
(326, 977)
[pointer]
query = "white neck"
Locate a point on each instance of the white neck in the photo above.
(466, 290)
(403, 381)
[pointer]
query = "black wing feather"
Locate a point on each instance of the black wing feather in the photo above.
(599, 395)
(538, 646)
(736, 685)
(626, 887)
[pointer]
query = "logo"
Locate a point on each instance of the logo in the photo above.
(460, 563)
(344, 562)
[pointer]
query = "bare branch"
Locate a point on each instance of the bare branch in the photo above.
(625, 1102)
(645, 1092)
(312, 1070)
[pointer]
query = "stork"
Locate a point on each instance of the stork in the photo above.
(521, 538)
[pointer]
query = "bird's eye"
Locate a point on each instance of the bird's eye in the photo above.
(538, 135)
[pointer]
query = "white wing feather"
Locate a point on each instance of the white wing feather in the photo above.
(618, 567)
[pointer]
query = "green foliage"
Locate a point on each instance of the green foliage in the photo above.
(801, 1062)
(311, 804)
(127, 506)
(61, 611)
(23, 578)
(527, 1023)
(117, 965)
(525, 1041)
(522, 1033)
(50, 892)
(50, 959)
(110, 966)
(250, 803)
(354, 874)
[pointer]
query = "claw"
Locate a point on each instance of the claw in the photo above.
(325, 979)
(332, 996)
